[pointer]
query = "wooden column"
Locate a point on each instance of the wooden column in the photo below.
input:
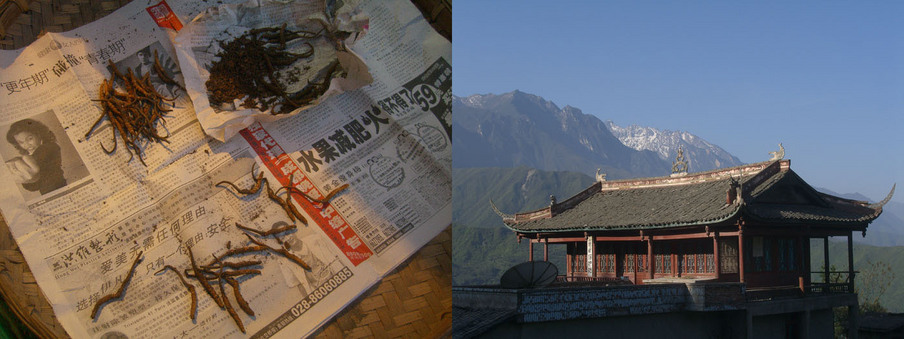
(808, 276)
(805, 324)
(801, 267)
(850, 263)
(530, 250)
(716, 262)
(650, 257)
(591, 254)
(853, 320)
(546, 250)
(569, 257)
(740, 253)
(825, 251)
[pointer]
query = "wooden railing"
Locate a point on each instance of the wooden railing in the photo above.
(839, 282)
(564, 278)
(771, 293)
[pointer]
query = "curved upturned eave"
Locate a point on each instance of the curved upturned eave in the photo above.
(866, 218)
(727, 217)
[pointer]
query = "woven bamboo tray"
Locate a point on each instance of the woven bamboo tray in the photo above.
(415, 300)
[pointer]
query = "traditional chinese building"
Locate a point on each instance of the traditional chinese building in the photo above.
(751, 224)
(728, 248)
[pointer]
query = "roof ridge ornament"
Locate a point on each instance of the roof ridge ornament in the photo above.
(734, 193)
(679, 166)
(778, 155)
(600, 177)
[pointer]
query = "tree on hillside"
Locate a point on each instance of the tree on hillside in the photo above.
(875, 280)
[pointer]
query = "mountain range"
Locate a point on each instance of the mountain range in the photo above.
(517, 149)
(521, 129)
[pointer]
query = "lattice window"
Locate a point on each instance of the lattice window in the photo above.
(663, 263)
(608, 263)
(710, 265)
(689, 263)
(728, 255)
(642, 263)
(701, 260)
(579, 263)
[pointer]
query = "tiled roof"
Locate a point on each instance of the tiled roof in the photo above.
(770, 192)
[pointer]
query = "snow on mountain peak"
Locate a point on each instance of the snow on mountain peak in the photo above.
(701, 154)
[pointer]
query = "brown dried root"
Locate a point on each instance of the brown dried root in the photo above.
(162, 73)
(235, 265)
(266, 233)
(207, 288)
(232, 313)
(242, 250)
(283, 252)
(210, 275)
(134, 110)
(238, 296)
(118, 292)
(253, 190)
(191, 289)
(326, 200)
(285, 205)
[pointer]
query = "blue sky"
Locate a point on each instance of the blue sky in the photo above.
(826, 79)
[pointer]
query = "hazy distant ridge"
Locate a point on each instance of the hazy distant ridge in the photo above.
(521, 129)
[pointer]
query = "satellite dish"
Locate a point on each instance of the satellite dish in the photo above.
(529, 274)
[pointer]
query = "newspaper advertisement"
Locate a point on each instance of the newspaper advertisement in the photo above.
(94, 224)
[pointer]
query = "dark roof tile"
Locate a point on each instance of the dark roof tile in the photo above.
(774, 193)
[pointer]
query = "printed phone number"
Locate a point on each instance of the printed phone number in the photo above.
(321, 292)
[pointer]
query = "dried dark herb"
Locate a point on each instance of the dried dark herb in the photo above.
(250, 68)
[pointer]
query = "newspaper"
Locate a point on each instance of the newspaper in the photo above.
(389, 141)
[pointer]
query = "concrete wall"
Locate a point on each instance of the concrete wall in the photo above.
(715, 310)
(553, 304)
(791, 325)
(822, 323)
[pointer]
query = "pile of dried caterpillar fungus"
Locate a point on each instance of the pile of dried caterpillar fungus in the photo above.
(262, 68)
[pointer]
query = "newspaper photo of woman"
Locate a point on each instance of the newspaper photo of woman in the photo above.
(145, 66)
(39, 168)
